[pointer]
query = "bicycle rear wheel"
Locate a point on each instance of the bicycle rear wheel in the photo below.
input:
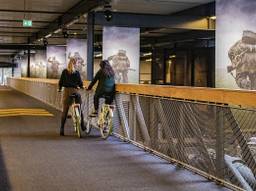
(88, 128)
(106, 127)
(78, 122)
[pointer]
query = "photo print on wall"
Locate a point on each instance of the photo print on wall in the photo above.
(56, 61)
(77, 48)
(236, 44)
(121, 47)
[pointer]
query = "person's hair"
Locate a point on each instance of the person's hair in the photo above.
(71, 67)
(107, 68)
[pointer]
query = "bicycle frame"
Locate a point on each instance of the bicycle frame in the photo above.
(103, 121)
(76, 117)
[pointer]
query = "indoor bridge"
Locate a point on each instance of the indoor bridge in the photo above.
(159, 142)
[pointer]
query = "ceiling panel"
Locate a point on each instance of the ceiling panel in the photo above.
(42, 5)
(30, 16)
(155, 6)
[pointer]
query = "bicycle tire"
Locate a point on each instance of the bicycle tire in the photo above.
(88, 128)
(106, 128)
(78, 122)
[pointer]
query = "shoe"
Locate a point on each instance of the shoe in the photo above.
(61, 131)
(83, 127)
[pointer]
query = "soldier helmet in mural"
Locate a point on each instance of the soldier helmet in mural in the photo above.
(249, 37)
(122, 52)
(243, 61)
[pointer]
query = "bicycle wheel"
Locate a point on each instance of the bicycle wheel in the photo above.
(106, 126)
(88, 128)
(78, 122)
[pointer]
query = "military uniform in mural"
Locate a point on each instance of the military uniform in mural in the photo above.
(243, 61)
(54, 66)
(121, 66)
(79, 66)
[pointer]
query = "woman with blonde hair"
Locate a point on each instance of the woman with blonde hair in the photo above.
(71, 81)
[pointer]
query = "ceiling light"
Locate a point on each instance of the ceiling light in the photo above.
(57, 31)
(147, 54)
(98, 55)
(49, 35)
(213, 17)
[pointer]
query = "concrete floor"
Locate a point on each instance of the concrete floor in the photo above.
(33, 157)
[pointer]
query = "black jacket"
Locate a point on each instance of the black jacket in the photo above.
(70, 80)
(105, 84)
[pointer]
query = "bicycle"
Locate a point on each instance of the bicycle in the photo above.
(76, 115)
(103, 122)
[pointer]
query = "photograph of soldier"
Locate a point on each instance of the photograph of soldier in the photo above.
(80, 63)
(121, 66)
(77, 49)
(54, 63)
(24, 66)
(40, 69)
(243, 61)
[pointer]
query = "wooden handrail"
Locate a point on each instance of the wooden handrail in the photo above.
(244, 98)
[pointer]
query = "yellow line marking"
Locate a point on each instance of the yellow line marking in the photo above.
(22, 109)
(24, 112)
(3, 112)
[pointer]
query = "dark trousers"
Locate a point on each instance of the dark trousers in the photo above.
(67, 101)
(109, 97)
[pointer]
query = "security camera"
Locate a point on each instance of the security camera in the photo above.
(45, 41)
(108, 15)
(107, 12)
(65, 33)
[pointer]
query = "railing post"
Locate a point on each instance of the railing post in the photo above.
(219, 115)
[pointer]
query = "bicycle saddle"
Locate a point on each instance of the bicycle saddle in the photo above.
(74, 95)
(106, 96)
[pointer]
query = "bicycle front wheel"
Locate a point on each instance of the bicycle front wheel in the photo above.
(106, 127)
(78, 122)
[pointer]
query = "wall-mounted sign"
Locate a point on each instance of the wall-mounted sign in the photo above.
(27, 23)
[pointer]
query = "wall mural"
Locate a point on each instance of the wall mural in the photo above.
(77, 48)
(121, 46)
(236, 44)
(56, 61)
(38, 64)
(24, 65)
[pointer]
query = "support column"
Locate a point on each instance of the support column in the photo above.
(220, 163)
(28, 69)
(2, 76)
(90, 45)
(12, 71)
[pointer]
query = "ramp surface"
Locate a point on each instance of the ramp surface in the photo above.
(33, 157)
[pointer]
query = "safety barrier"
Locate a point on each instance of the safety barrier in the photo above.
(209, 131)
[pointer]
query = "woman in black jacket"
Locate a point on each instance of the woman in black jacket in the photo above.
(71, 81)
(106, 85)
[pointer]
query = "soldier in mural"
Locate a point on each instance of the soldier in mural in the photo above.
(79, 65)
(243, 61)
(54, 66)
(121, 66)
(41, 69)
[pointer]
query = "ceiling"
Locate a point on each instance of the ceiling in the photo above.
(162, 7)
(43, 13)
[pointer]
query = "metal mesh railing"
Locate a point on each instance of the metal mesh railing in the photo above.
(216, 141)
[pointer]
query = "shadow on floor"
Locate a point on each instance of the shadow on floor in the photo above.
(4, 180)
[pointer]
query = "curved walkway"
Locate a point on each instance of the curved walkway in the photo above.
(33, 157)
